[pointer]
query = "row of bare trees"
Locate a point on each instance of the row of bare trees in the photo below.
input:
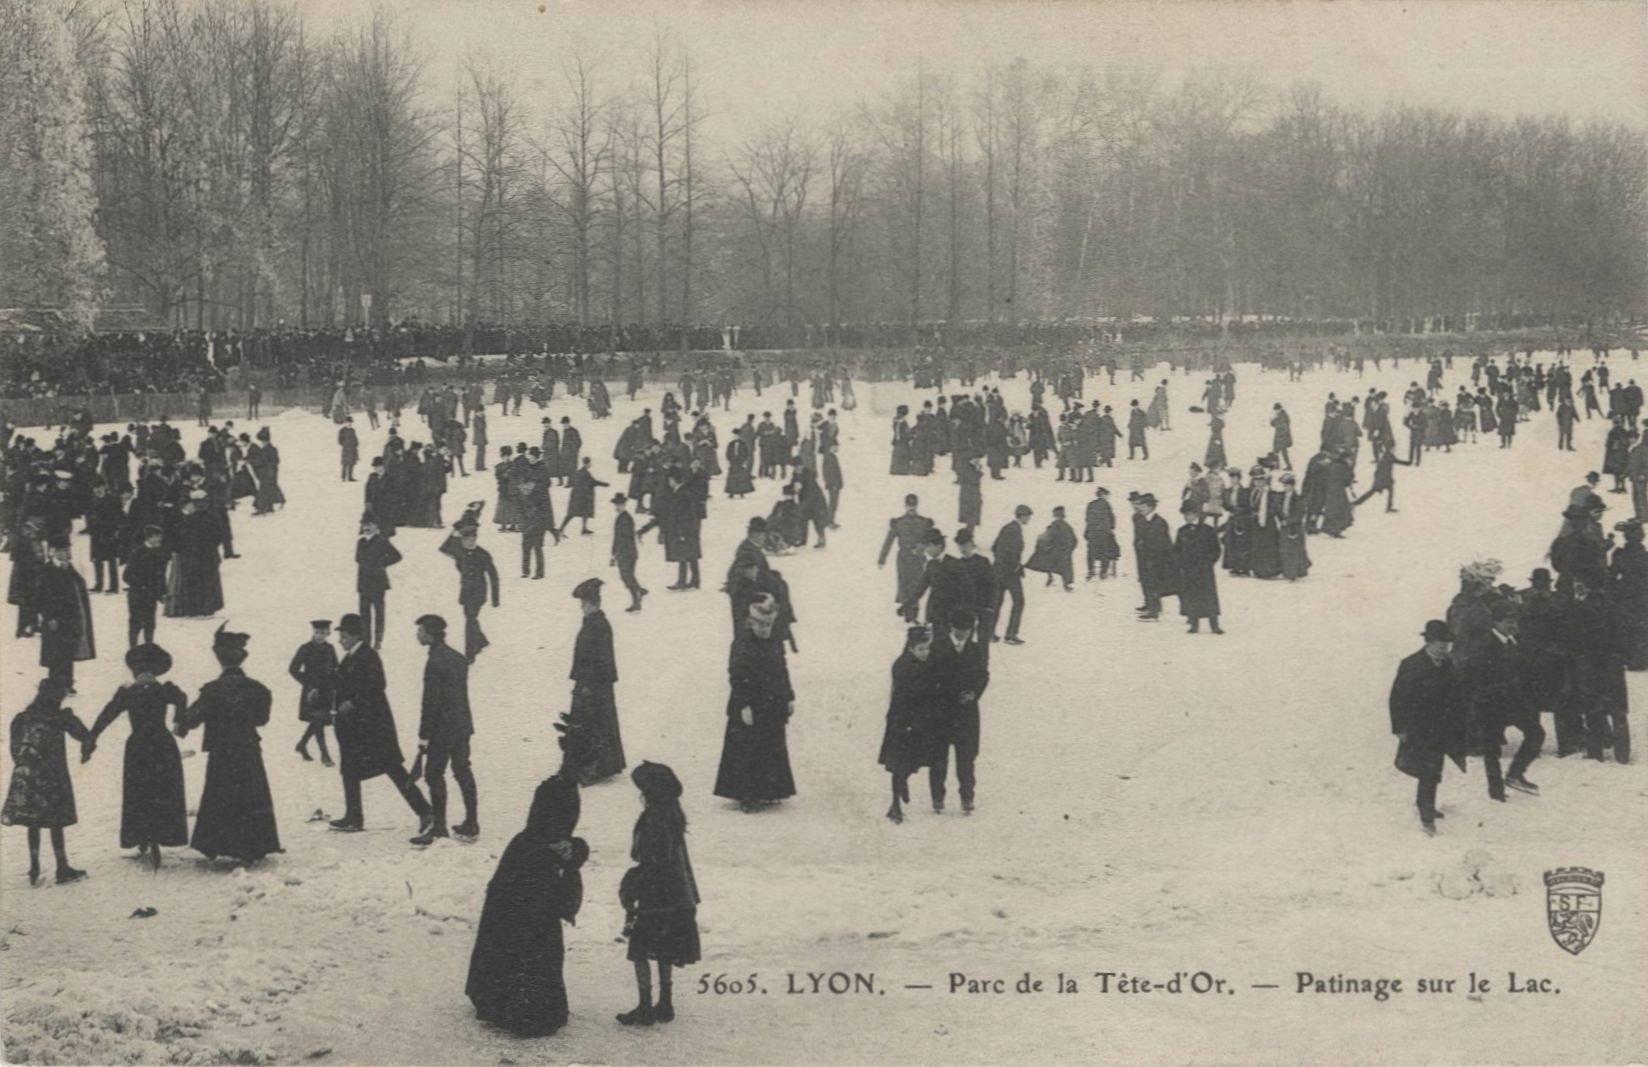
(221, 165)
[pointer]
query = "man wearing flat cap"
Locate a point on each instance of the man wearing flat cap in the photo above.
(1428, 717)
(368, 743)
(445, 726)
(594, 673)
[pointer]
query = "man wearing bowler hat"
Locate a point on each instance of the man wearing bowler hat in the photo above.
(1428, 717)
(368, 744)
(444, 729)
(961, 673)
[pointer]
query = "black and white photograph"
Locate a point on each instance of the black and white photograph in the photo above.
(548, 532)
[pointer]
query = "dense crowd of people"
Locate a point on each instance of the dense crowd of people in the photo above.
(159, 520)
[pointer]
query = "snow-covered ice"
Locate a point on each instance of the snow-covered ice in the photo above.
(1149, 801)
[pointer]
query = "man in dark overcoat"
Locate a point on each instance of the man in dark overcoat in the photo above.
(944, 582)
(63, 606)
(1008, 561)
(1500, 695)
(1197, 550)
(1153, 554)
(445, 726)
(624, 552)
(368, 744)
(1428, 717)
(476, 574)
(374, 555)
(145, 586)
(961, 674)
(909, 532)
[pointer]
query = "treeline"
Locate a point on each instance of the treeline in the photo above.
(223, 166)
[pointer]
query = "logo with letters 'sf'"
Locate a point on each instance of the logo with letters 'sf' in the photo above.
(1573, 906)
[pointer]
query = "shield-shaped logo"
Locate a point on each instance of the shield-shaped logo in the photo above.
(1573, 906)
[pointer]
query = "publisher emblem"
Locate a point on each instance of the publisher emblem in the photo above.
(1573, 906)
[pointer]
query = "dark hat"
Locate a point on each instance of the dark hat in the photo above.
(150, 530)
(915, 635)
(1022, 509)
(353, 625)
(54, 687)
(58, 540)
(1437, 630)
(1593, 477)
(656, 781)
(933, 537)
(756, 524)
(911, 500)
(1540, 578)
(1101, 491)
(962, 619)
(148, 659)
(964, 536)
(320, 624)
(588, 589)
(225, 641)
(619, 498)
(1148, 499)
(433, 623)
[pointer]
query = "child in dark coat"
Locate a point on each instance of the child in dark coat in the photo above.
(42, 794)
(659, 894)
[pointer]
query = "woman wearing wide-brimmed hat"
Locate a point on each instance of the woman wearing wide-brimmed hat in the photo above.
(153, 812)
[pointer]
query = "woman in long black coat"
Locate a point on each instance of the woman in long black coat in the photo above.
(659, 894)
(236, 816)
(515, 979)
(594, 673)
(755, 755)
(907, 741)
(153, 812)
(1197, 550)
(195, 585)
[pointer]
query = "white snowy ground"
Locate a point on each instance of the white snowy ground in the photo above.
(1149, 802)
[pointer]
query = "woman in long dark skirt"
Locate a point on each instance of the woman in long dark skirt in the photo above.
(195, 584)
(755, 755)
(264, 460)
(515, 979)
(236, 817)
(152, 811)
(659, 894)
(906, 743)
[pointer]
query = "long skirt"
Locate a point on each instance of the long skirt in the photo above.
(194, 588)
(668, 935)
(1267, 552)
(152, 804)
(595, 706)
(738, 479)
(237, 814)
(1295, 556)
(755, 760)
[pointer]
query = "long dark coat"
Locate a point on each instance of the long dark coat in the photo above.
(755, 760)
(1427, 703)
(1054, 550)
(907, 740)
(581, 502)
(908, 532)
(1197, 550)
(41, 793)
(971, 503)
(1153, 554)
(65, 611)
(236, 813)
(313, 667)
(368, 743)
(153, 808)
(662, 892)
(515, 978)
(594, 672)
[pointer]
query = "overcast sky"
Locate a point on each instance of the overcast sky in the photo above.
(765, 59)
